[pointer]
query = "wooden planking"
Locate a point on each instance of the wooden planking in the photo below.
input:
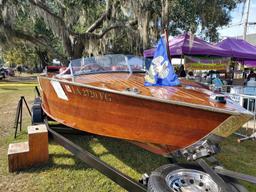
(126, 117)
(18, 154)
(189, 92)
(157, 126)
(26, 154)
(38, 143)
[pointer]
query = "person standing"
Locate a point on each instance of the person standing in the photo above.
(182, 72)
(251, 75)
(19, 69)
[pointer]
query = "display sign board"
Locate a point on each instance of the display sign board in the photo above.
(206, 63)
(59, 90)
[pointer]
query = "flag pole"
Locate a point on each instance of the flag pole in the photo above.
(167, 45)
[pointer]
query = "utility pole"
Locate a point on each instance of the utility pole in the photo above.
(246, 19)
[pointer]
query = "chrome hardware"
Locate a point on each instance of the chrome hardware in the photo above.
(200, 149)
(218, 98)
(191, 180)
(133, 90)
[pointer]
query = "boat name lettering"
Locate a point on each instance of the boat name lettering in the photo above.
(92, 94)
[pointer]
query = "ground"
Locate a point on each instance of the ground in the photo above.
(64, 172)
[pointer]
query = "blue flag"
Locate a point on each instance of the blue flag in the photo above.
(161, 72)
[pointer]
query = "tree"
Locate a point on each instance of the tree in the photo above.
(185, 16)
(67, 20)
(71, 29)
(21, 55)
(19, 34)
(1, 60)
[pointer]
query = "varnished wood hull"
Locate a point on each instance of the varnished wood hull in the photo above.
(157, 126)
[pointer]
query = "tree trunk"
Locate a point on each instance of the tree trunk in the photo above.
(145, 30)
(165, 14)
(78, 48)
(43, 57)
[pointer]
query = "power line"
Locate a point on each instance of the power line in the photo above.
(236, 25)
(232, 25)
(246, 19)
(245, 23)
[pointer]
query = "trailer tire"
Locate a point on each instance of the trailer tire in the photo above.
(157, 182)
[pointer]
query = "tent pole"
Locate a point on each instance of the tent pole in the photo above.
(181, 59)
(167, 45)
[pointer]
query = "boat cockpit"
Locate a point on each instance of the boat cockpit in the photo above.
(106, 64)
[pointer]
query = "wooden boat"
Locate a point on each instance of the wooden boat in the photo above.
(115, 103)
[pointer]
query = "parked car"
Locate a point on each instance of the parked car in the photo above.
(2, 73)
(10, 72)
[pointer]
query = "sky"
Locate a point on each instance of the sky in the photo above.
(234, 29)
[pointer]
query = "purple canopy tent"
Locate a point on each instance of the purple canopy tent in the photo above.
(184, 45)
(238, 49)
(250, 63)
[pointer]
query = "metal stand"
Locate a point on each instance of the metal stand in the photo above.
(19, 114)
(245, 137)
(37, 91)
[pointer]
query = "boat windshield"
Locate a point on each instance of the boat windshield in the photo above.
(108, 63)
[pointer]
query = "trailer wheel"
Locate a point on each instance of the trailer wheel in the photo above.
(184, 178)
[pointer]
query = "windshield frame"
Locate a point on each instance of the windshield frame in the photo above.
(132, 67)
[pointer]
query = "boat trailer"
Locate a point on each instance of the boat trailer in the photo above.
(216, 172)
(125, 181)
(94, 162)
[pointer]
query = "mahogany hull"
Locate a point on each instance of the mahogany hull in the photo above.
(157, 126)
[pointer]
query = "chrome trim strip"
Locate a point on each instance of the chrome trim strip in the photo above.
(231, 124)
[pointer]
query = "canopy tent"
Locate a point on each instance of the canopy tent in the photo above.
(238, 49)
(186, 45)
(250, 63)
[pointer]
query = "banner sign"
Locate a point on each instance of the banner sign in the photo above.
(206, 63)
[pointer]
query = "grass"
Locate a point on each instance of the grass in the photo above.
(64, 172)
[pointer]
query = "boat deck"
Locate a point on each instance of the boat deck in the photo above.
(189, 92)
(162, 119)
